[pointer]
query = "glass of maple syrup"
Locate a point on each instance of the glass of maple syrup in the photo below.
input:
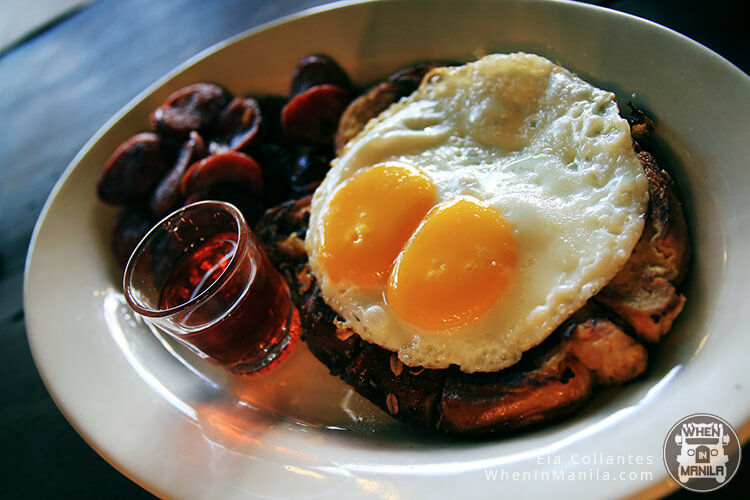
(200, 276)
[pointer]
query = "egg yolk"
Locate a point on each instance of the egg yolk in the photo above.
(457, 266)
(369, 220)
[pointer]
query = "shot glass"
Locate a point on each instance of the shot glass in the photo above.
(200, 276)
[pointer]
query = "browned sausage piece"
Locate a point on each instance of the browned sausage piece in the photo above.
(133, 169)
(309, 169)
(312, 116)
(317, 69)
(238, 126)
(130, 225)
(166, 197)
(194, 107)
(223, 168)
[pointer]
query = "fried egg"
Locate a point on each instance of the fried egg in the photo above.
(470, 219)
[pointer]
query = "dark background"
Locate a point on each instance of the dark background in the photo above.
(57, 87)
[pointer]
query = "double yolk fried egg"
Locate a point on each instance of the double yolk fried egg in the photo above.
(470, 219)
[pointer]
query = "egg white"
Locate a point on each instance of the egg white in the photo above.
(550, 152)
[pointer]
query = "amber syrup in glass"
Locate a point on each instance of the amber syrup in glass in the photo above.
(258, 322)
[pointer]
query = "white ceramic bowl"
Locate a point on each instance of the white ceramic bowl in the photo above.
(301, 433)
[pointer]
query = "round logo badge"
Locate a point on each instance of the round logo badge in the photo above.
(702, 452)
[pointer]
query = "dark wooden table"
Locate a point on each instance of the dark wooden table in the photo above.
(56, 89)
